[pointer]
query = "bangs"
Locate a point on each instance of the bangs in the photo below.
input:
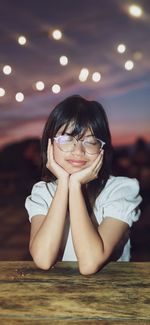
(77, 128)
(75, 115)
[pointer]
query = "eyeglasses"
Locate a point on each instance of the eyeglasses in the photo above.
(67, 143)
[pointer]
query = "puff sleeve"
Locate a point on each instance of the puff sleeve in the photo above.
(122, 200)
(39, 201)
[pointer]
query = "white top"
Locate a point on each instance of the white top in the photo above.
(119, 199)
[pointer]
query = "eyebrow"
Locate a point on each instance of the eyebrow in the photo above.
(86, 136)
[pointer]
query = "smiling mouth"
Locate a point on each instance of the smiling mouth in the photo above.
(77, 162)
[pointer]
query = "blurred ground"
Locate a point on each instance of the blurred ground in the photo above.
(20, 169)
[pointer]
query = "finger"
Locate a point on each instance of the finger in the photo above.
(48, 146)
(100, 162)
(99, 165)
(97, 161)
(100, 156)
(49, 151)
(93, 168)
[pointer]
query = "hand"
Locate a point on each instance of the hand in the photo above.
(89, 173)
(51, 164)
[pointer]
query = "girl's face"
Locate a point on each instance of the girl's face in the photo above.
(77, 159)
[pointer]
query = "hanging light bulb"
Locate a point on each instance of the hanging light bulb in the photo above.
(19, 97)
(22, 40)
(56, 88)
(63, 60)
(7, 69)
(96, 76)
(121, 48)
(83, 74)
(40, 85)
(2, 92)
(129, 65)
(57, 34)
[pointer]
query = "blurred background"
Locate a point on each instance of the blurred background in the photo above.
(52, 49)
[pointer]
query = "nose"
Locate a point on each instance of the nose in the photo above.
(78, 148)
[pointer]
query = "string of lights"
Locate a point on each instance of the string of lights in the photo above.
(84, 74)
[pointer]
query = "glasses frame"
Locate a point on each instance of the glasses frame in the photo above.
(61, 135)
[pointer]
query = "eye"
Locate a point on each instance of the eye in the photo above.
(91, 141)
(65, 138)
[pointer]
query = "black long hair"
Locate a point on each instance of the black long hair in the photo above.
(84, 114)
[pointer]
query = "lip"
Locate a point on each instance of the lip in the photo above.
(76, 162)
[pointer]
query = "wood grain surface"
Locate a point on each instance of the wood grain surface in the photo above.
(118, 294)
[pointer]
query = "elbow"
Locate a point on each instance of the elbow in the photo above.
(41, 265)
(94, 265)
(89, 269)
(40, 262)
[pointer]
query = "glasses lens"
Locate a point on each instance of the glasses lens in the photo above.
(92, 145)
(66, 142)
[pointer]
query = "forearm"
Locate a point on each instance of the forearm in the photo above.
(86, 239)
(45, 245)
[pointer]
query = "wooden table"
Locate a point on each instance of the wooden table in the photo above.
(119, 294)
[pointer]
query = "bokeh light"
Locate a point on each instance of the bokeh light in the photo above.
(22, 40)
(63, 60)
(56, 88)
(7, 69)
(135, 11)
(96, 76)
(137, 56)
(57, 34)
(129, 65)
(40, 85)
(121, 48)
(83, 74)
(19, 97)
(2, 92)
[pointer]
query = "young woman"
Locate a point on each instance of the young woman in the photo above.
(79, 211)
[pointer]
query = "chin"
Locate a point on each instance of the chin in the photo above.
(73, 170)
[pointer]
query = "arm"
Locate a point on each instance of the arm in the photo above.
(47, 231)
(93, 246)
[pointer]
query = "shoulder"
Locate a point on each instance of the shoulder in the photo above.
(42, 193)
(40, 198)
(121, 186)
(120, 199)
(43, 188)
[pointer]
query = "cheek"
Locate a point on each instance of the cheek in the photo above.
(57, 154)
(92, 158)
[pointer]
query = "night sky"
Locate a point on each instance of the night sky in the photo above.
(91, 31)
